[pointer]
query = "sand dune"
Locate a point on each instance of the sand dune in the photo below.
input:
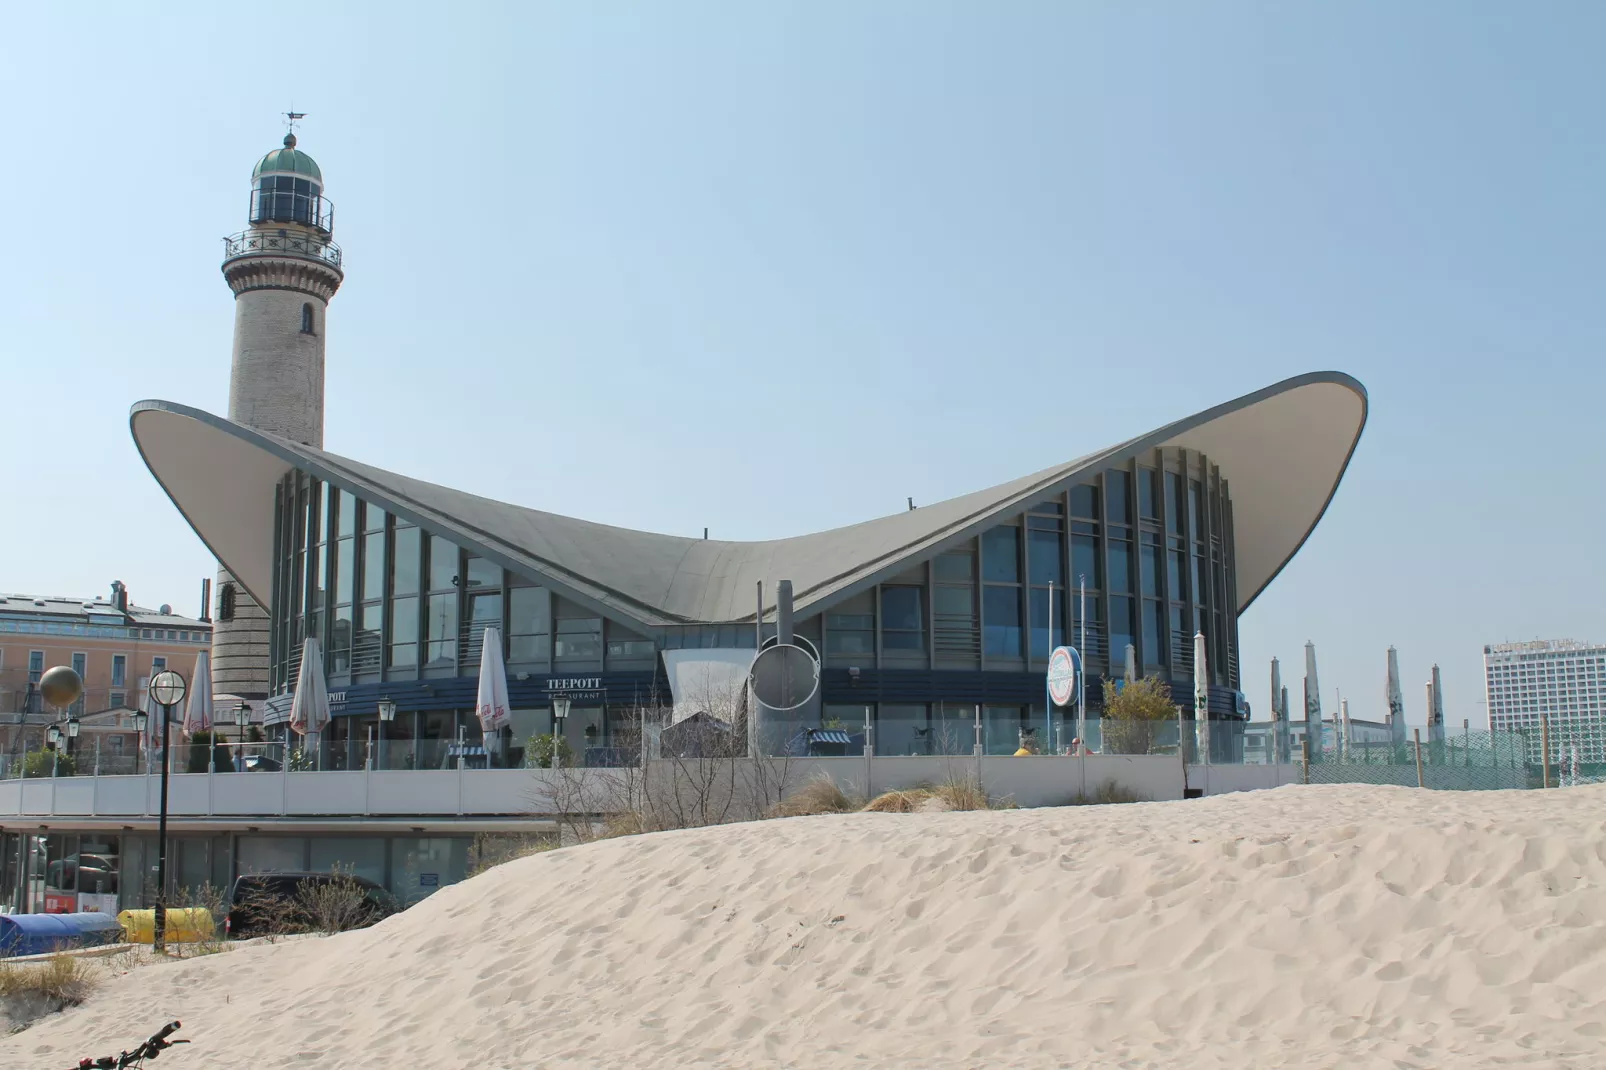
(1306, 926)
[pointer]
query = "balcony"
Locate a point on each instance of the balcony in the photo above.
(281, 243)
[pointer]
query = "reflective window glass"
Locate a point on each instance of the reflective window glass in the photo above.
(1000, 555)
(373, 565)
(373, 518)
(345, 569)
(1085, 500)
(1044, 641)
(850, 633)
(442, 563)
(404, 562)
(1044, 553)
(1118, 486)
(1154, 632)
(1175, 569)
(1001, 621)
(902, 619)
(954, 602)
(440, 624)
(1121, 635)
(579, 639)
(1173, 502)
(1120, 565)
(482, 573)
(1085, 561)
(1149, 559)
(955, 567)
(1148, 493)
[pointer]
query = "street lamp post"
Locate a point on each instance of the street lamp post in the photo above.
(560, 713)
(167, 688)
(387, 712)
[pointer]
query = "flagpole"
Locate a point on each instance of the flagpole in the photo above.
(1048, 698)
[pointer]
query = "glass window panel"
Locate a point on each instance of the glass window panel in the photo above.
(1120, 631)
(1120, 565)
(1085, 561)
(579, 639)
(1149, 560)
(442, 619)
(373, 565)
(902, 730)
(1148, 493)
(404, 562)
(442, 563)
(529, 611)
(955, 568)
(1001, 621)
(954, 602)
(1118, 485)
(1043, 641)
(482, 573)
(900, 609)
(1173, 502)
(345, 569)
(404, 620)
(1085, 500)
(1196, 507)
(531, 647)
(320, 570)
(1154, 631)
(1176, 566)
(1179, 631)
(403, 656)
(1044, 552)
(1000, 555)
(373, 518)
(1197, 588)
(340, 641)
(850, 633)
(326, 495)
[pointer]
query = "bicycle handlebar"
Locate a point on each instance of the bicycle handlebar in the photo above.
(156, 1043)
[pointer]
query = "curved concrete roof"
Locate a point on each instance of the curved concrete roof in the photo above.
(1283, 449)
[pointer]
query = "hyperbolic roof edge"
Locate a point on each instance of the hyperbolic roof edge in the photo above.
(843, 573)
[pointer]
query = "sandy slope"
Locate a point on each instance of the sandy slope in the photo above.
(1315, 927)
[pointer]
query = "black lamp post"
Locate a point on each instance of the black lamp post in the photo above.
(242, 721)
(387, 712)
(560, 713)
(167, 689)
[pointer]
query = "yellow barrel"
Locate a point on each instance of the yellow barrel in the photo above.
(185, 925)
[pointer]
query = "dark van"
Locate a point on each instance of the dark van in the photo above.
(265, 904)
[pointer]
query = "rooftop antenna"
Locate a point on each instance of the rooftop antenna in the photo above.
(911, 505)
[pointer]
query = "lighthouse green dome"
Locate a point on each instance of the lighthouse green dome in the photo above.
(287, 161)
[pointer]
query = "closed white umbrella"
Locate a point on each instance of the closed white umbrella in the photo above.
(492, 702)
(1131, 664)
(1201, 696)
(1436, 714)
(1313, 703)
(1278, 725)
(309, 710)
(1396, 701)
(198, 712)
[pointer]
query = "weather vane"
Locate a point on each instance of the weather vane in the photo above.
(290, 118)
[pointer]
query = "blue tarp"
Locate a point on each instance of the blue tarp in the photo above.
(40, 934)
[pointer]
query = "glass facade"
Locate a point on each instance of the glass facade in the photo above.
(1137, 556)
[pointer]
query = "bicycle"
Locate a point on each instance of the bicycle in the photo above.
(150, 1049)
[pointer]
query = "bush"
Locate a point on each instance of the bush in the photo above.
(1134, 713)
(538, 752)
(1109, 793)
(201, 743)
(63, 978)
(490, 849)
(819, 796)
(42, 763)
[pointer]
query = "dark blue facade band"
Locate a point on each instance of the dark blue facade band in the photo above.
(916, 686)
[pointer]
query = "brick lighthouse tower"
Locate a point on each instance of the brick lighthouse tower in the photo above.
(283, 270)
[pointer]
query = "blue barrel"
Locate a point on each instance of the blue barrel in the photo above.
(41, 934)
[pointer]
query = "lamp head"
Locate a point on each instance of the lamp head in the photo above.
(142, 720)
(168, 688)
(560, 706)
(387, 709)
(73, 726)
(52, 736)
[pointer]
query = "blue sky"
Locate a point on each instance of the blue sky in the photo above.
(774, 267)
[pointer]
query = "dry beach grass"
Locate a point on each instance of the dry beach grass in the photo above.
(1352, 927)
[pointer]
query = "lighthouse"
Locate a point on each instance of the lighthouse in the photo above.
(284, 268)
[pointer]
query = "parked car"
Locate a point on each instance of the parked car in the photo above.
(265, 904)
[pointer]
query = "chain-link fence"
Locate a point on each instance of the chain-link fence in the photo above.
(1456, 761)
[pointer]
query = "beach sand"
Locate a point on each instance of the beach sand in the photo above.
(1333, 926)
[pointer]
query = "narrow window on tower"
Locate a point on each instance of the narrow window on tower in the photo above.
(306, 319)
(225, 602)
